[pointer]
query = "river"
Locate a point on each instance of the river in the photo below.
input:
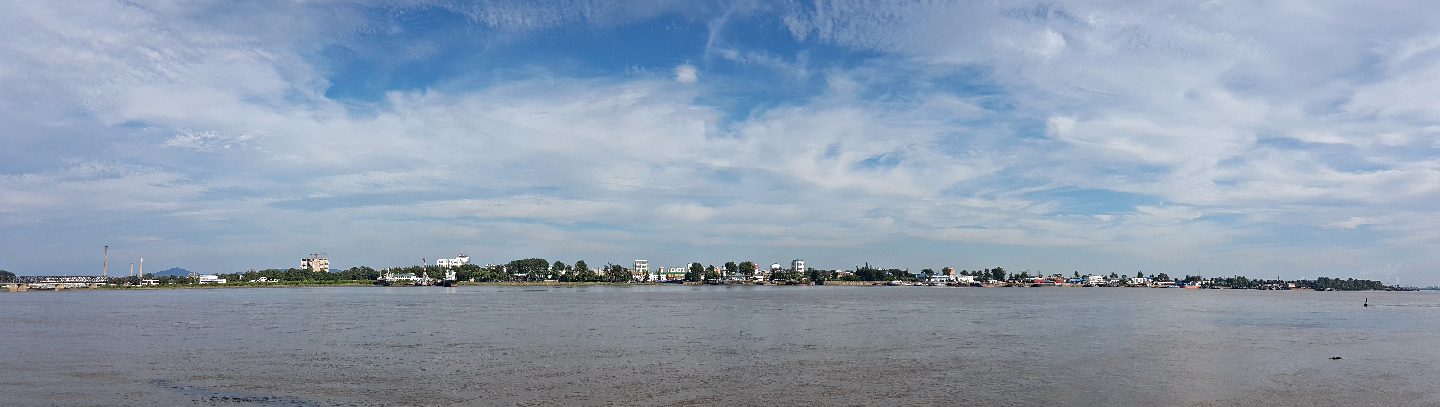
(718, 345)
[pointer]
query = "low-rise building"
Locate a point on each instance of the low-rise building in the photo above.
(673, 273)
(941, 278)
(211, 279)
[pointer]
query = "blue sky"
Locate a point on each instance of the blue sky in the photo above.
(1293, 139)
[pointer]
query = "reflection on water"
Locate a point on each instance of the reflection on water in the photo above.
(718, 345)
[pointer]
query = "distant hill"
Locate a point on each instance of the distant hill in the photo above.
(174, 271)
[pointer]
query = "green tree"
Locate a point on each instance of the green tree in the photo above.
(898, 274)
(867, 273)
(558, 268)
(473, 271)
(354, 273)
(711, 273)
(581, 266)
(819, 276)
(695, 273)
(732, 269)
(616, 274)
(997, 274)
(747, 269)
(533, 269)
(7, 276)
(1139, 274)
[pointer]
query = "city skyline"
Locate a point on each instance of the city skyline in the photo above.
(1289, 139)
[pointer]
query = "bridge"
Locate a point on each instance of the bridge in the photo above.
(25, 283)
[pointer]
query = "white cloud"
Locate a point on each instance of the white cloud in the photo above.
(1352, 223)
(1242, 112)
(92, 190)
(207, 141)
(686, 73)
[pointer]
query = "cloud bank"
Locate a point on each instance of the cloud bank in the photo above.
(1292, 139)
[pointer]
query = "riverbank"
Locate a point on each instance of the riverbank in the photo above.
(360, 283)
(315, 284)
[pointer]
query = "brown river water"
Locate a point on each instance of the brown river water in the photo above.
(719, 345)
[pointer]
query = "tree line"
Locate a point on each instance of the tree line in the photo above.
(538, 269)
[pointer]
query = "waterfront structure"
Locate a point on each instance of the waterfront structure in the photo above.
(61, 282)
(671, 274)
(316, 262)
(798, 265)
(211, 279)
(641, 270)
(935, 278)
(458, 261)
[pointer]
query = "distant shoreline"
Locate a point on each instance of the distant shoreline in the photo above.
(9, 288)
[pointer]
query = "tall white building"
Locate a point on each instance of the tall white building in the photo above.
(641, 270)
(798, 265)
(458, 261)
(317, 262)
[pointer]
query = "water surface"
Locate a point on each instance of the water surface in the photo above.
(681, 345)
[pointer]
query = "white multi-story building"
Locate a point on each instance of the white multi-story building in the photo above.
(458, 261)
(798, 265)
(316, 262)
(641, 271)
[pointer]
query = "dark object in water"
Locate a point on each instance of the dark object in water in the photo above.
(1335, 358)
(1367, 302)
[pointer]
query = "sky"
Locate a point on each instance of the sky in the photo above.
(1290, 139)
